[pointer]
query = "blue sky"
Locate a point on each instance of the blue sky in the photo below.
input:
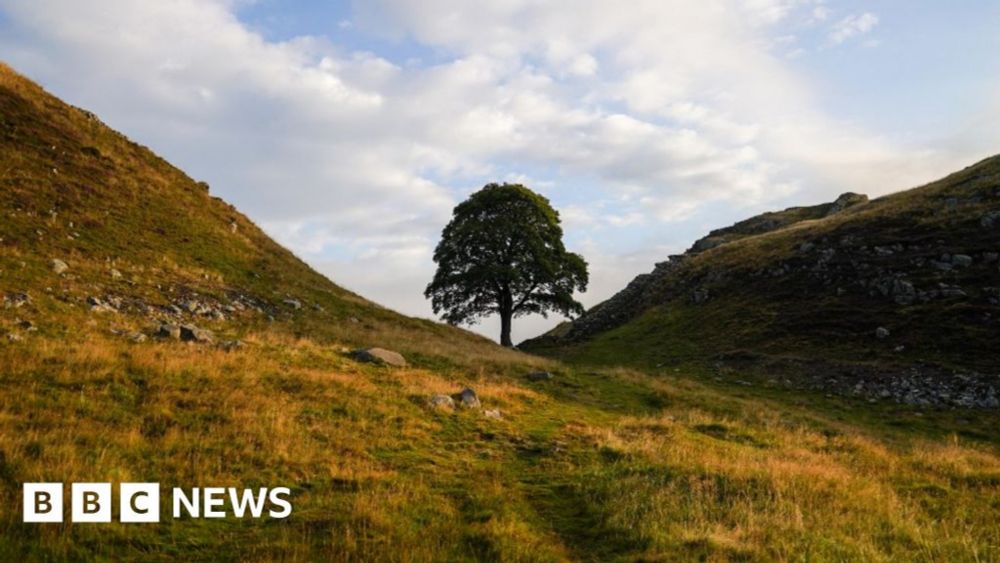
(349, 130)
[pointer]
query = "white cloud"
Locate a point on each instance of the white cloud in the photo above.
(355, 160)
(852, 26)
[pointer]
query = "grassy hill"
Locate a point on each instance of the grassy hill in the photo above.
(898, 295)
(596, 463)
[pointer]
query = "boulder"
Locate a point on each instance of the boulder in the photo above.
(168, 330)
(191, 333)
(467, 399)
(380, 356)
(441, 402)
(540, 376)
(58, 266)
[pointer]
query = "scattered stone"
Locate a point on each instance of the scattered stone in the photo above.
(293, 303)
(441, 402)
(961, 260)
(58, 266)
(380, 356)
(467, 399)
(492, 413)
(115, 274)
(16, 300)
(191, 333)
(167, 330)
(540, 376)
(14, 337)
(230, 345)
(699, 296)
(882, 333)
(990, 219)
(98, 305)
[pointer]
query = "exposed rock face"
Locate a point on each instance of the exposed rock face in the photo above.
(641, 293)
(844, 201)
(380, 356)
(925, 263)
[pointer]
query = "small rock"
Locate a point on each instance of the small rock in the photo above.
(468, 399)
(961, 260)
(16, 300)
(230, 345)
(882, 333)
(97, 305)
(115, 274)
(137, 337)
(14, 337)
(441, 402)
(380, 356)
(990, 219)
(58, 266)
(191, 333)
(540, 376)
(293, 303)
(492, 413)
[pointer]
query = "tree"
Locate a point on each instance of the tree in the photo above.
(503, 253)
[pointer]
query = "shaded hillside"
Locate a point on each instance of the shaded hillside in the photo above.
(881, 294)
(141, 244)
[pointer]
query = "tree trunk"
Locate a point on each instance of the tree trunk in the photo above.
(506, 313)
(505, 317)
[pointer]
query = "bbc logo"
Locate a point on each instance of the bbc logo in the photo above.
(91, 502)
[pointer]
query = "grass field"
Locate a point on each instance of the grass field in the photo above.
(596, 464)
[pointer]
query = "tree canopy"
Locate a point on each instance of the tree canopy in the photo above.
(502, 253)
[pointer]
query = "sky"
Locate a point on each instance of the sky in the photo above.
(349, 130)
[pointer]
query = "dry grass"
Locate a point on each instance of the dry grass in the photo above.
(378, 476)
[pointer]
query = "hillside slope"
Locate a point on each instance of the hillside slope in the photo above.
(144, 244)
(897, 296)
(559, 462)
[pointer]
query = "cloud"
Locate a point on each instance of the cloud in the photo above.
(852, 26)
(632, 121)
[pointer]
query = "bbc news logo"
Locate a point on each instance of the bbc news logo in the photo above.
(140, 502)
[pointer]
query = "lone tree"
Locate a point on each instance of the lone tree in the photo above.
(503, 253)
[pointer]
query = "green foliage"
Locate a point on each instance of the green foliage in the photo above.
(502, 253)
